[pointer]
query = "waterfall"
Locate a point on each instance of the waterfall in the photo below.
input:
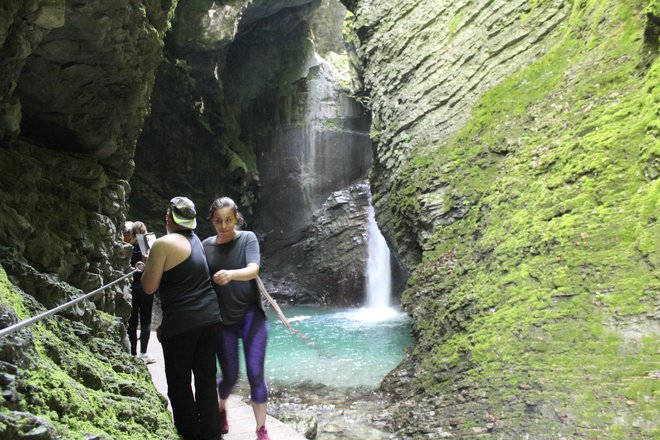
(379, 274)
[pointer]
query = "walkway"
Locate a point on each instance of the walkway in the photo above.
(241, 417)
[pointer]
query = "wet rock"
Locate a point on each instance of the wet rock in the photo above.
(307, 426)
(338, 412)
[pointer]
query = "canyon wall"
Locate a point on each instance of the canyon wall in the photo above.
(516, 173)
(75, 78)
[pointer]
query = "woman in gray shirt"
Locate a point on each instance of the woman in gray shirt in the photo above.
(233, 258)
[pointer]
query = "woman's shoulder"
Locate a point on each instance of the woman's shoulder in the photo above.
(246, 235)
(209, 240)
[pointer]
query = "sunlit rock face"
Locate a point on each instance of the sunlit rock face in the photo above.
(423, 65)
(516, 173)
(246, 105)
(75, 80)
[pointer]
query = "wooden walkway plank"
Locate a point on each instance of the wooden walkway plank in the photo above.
(241, 418)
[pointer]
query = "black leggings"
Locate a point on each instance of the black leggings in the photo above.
(196, 414)
(142, 307)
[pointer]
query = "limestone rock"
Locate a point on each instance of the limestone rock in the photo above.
(83, 83)
(436, 65)
(493, 179)
(23, 24)
(331, 260)
(75, 79)
(307, 426)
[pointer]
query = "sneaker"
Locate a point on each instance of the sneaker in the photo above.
(262, 433)
(147, 358)
(223, 421)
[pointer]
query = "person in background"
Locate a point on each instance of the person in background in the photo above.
(233, 257)
(141, 302)
(126, 232)
(177, 268)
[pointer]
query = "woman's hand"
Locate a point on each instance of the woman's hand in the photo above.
(225, 276)
(222, 277)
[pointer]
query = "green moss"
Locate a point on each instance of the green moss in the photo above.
(10, 299)
(82, 389)
(552, 252)
(454, 22)
(83, 385)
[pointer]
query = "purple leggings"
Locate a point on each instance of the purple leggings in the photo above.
(254, 332)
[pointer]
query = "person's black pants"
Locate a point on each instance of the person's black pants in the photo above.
(142, 307)
(195, 417)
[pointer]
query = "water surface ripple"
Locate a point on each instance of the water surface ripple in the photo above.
(344, 347)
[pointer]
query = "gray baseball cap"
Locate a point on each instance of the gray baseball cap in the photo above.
(183, 212)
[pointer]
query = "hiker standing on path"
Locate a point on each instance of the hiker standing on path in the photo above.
(126, 232)
(189, 330)
(142, 304)
(233, 257)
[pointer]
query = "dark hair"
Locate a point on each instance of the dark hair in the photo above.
(226, 202)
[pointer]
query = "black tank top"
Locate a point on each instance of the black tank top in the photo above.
(187, 296)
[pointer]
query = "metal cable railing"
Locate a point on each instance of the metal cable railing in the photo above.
(12, 328)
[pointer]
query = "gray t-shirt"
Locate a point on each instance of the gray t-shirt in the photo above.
(237, 296)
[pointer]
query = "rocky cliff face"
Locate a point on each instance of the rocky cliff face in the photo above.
(516, 172)
(438, 62)
(75, 83)
(190, 144)
(307, 150)
(326, 266)
(251, 102)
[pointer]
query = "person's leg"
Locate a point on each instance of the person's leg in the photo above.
(260, 413)
(228, 357)
(255, 338)
(204, 370)
(132, 325)
(146, 308)
(178, 352)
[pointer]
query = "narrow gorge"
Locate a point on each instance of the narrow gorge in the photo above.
(509, 150)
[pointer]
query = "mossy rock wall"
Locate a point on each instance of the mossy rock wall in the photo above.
(65, 379)
(75, 80)
(518, 177)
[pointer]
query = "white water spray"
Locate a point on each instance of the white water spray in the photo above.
(379, 273)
